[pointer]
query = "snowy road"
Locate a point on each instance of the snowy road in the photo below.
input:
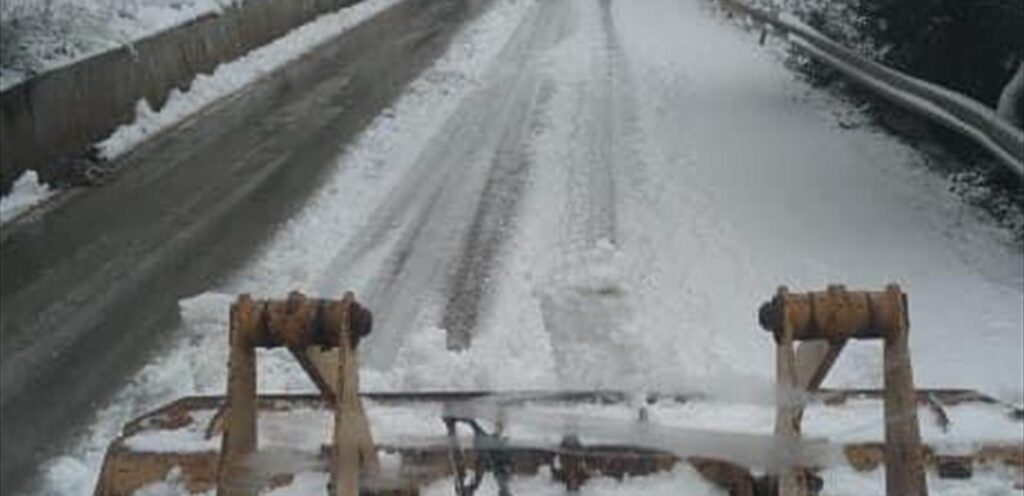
(599, 193)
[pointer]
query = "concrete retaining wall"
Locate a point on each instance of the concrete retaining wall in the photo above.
(61, 112)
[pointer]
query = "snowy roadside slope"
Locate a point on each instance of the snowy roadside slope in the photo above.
(778, 193)
(204, 90)
(39, 36)
(232, 76)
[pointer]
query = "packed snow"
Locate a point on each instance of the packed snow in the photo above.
(27, 192)
(666, 176)
(42, 35)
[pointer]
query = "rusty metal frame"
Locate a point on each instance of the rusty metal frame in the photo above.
(125, 470)
(822, 323)
(323, 336)
(300, 324)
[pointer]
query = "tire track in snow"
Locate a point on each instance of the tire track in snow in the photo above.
(495, 216)
(604, 122)
(622, 133)
(587, 304)
(490, 227)
(430, 247)
(677, 239)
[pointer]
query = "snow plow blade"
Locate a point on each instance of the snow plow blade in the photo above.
(139, 458)
(343, 442)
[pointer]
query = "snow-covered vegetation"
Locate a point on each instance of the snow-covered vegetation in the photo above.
(972, 47)
(36, 35)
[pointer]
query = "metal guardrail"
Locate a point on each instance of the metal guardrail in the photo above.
(942, 105)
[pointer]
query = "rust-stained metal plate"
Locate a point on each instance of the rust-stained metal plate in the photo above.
(131, 463)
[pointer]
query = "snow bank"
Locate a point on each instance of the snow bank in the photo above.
(26, 193)
(231, 76)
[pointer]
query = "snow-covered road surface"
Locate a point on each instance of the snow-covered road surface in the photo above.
(598, 193)
(645, 160)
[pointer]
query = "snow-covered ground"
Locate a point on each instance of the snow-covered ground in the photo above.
(600, 193)
(40, 35)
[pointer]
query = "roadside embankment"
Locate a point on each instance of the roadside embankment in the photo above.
(60, 113)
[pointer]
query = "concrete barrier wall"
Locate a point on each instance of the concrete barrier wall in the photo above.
(60, 113)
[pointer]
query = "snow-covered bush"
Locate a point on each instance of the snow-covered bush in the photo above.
(33, 33)
(972, 47)
(37, 35)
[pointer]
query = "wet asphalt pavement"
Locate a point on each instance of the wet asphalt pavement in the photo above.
(90, 286)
